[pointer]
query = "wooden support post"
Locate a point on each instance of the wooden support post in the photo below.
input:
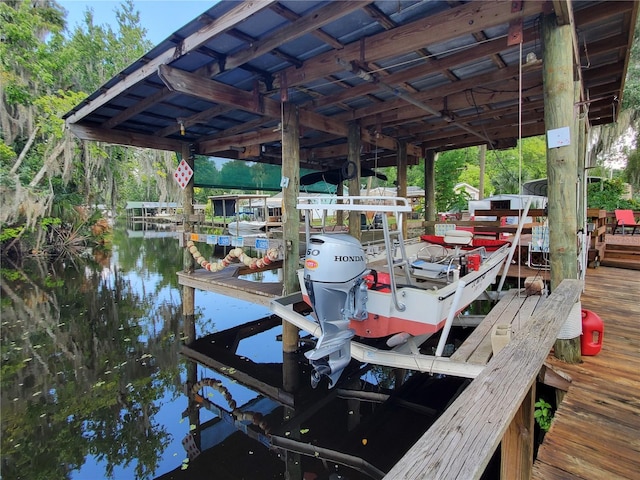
(401, 178)
(562, 164)
(188, 262)
(353, 155)
(290, 219)
(430, 189)
(561, 160)
(517, 442)
(339, 213)
(482, 158)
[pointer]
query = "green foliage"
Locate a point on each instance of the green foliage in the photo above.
(632, 169)
(50, 221)
(543, 414)
(44, 74)
(504, 171)
(631, 97)
(12, 275)
(607, 195)
(9, 233)
(449, 167)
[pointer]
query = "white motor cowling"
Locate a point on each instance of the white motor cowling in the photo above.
(334, 271)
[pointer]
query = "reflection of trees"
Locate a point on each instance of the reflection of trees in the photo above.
(151, 256)
(84, 366)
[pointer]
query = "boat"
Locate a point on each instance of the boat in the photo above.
(251, 214)
(247, 227)
(400, 291)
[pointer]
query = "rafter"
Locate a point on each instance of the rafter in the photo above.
(241, 11)
(456, 22)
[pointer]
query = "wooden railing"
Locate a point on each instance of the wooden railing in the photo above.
(487, 227)
(498, 406)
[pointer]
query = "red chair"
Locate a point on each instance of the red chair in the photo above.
(624, 218)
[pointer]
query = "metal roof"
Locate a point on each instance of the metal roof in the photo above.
(434, 74)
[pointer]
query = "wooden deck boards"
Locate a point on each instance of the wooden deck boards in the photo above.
(226, 282)
(512, 309)
(595, 433)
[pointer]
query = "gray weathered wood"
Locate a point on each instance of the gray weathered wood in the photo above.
(562, 164)
(561, 161)
(430, 189)
(461, 442)
(290, 217)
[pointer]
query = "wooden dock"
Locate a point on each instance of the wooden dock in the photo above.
(513, 311)
(228, 282)
(595, 433)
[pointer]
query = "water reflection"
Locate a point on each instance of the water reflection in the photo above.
(94, 386)
(88, 351)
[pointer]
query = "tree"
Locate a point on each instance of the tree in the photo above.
(44, 74)
(632, 169)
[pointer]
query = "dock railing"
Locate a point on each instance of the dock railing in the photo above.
(498, 406)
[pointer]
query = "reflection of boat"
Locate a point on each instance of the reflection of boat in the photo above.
(288, 428)
(356, 294)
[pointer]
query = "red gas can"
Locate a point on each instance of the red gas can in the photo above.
(592, 333)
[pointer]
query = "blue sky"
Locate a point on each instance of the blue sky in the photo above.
(159, 17)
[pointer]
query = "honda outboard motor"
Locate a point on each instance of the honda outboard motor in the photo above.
(334, 271)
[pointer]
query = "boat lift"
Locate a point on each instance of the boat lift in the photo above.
(406, 354)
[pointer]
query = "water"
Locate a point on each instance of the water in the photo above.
(93, 384)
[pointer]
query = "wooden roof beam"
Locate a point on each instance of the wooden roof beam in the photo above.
(225, 23)
(240, 12)
(466, 19)
(203, 116)
(210, 147)
(303, 25)
(460, 101)
(98, 134)
(190, 84)
(293, 16)
(437, 94)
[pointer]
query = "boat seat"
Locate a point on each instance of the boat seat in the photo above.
(429, 270)
(458, 237)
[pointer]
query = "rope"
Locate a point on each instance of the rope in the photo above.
(235, 254)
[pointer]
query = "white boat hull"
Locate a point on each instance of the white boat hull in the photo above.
(425, 311)
(246, 227)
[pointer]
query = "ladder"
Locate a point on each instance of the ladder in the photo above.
(394, 242)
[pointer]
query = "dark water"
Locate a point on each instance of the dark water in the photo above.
(94, 386)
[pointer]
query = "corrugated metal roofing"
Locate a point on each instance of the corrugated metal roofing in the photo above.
(452, 57)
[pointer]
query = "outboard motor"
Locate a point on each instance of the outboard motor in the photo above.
(334, 271)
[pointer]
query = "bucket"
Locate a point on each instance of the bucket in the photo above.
(474, 262)
(592, 333)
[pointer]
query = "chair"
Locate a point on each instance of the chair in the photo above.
(624, 218)
(539, 245)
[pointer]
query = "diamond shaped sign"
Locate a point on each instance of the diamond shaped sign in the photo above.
(183, 174)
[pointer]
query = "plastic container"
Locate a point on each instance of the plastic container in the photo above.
(474, 262)
(592, 333)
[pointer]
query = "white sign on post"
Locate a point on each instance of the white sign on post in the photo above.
(558, 137)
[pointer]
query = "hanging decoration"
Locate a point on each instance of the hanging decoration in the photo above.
(236, 254)
(183, 174)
